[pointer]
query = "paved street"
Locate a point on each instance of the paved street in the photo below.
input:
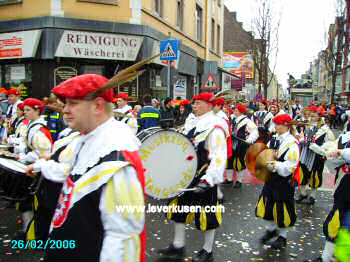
(236, 240)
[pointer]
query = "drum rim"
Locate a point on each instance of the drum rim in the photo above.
(9, 169)
(156, 130)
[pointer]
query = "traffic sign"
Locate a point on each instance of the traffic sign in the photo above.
(169, 49)
(210, 84)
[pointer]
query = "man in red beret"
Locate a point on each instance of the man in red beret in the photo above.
(124, 113)
(209, 138)
(276, 201)
(13, 101)
(105, 177)
(244, 133)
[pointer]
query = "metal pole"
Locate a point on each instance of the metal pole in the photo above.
(169, 72)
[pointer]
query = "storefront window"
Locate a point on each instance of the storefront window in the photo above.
(19, 75)
(158, 88)
(131, 88)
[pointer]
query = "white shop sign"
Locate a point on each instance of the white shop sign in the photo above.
(78, 44)
(21, 44)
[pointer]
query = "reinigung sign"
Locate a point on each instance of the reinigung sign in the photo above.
(78, 44)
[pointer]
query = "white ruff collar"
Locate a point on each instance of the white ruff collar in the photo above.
(208, 121)
(123, 110)
(111, 136)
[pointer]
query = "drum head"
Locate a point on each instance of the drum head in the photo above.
(12, 165)
(170, 163)
(5, 146)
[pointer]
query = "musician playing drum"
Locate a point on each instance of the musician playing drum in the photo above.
(54, 171)
(312, 160)
(37, 144)
(209, 138)
(276, 202)
(244, 133)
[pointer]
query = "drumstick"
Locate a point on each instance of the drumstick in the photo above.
(187, 189)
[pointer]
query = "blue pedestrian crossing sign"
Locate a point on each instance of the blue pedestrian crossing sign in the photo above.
(169, 49)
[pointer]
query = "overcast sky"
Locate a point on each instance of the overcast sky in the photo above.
(304, 24)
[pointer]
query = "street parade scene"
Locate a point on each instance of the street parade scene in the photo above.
(178, 130)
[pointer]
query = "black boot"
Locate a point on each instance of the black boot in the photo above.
(300, 198)
(268, 235)
(203, 256)
(237, 185)
(172, 251)
(279, 243)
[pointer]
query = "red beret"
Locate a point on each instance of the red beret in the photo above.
(20, 106)
(220, 101)
(185, 102)
(34, 103)
(312, 108)
(123, 96)
(241, 108)
(284, 119)
(79, 87)
(12, 91)
(206, 97)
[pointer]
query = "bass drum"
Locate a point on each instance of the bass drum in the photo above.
(170, 162)
(14, 183)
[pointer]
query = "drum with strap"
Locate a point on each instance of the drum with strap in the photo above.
(14, 183)
(170, 162)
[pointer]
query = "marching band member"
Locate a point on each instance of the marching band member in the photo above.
(13, 100)
(340, 158)
(244, 133)
(275, 110)
(105, 173)
(53, 168)
(20, 126)
(124, 112)
(218, 110)
(311, 159)
(209, 138)
(262, 119)
(36, 144)
(276, 202)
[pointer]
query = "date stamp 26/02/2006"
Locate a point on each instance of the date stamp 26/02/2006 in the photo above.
(42, 245)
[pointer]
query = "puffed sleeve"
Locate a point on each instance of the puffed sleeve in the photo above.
(56, 171)
(287, 167)
(253, 132)
(217, 147)
(41, 146)
(123, 216)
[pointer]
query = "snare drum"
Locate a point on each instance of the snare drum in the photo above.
(170, 162)
(14, 183)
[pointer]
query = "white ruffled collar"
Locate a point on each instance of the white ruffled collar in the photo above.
(123, 110)
(110, 136)
(208, 121)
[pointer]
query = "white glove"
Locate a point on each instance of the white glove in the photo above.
(317, 149)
